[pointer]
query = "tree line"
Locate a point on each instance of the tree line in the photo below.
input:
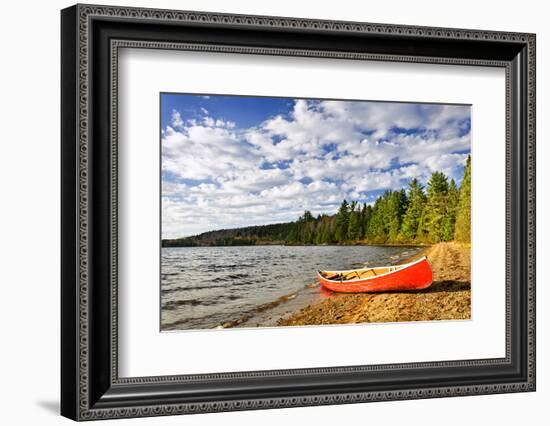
(438, 212)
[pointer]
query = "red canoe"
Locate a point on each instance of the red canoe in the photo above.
(409, 276)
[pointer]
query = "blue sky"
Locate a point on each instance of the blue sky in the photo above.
(231, 161)
(242, 110)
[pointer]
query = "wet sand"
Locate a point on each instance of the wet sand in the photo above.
(448, 298)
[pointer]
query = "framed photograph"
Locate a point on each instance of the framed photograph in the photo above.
(263, 212)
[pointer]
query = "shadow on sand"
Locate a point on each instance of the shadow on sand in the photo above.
(446, 286)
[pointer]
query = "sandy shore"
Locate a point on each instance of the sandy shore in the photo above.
(448, 298)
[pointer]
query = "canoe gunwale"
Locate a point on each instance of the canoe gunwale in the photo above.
(374, 277)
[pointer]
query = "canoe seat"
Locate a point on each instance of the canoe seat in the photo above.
(334, 277)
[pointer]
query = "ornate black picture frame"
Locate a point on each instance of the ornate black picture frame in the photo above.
(91, 37)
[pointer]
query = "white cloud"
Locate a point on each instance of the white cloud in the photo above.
(220, 176)
(177, 121)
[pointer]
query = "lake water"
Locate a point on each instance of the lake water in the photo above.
(250, 286)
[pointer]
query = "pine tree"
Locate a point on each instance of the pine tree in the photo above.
(318, 237)
(308, 233)
(324, 234)
(306, 217)
(436, 207)
(366, 213)
(396, 207)
(376, 230)
(342, 222)
(450, 215)
(354, 227)
(463, 217)
(331, 232)
(294, 234)
(411, 219)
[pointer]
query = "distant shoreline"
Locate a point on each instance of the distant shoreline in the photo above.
(267, 244)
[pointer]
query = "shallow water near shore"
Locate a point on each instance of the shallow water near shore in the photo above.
(253, 286)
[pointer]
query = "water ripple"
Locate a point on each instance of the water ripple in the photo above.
(205, 287)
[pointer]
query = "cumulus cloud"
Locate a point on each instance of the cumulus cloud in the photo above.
(177, 122)
(217, 174)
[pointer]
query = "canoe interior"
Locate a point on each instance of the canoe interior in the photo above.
(357, 274)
